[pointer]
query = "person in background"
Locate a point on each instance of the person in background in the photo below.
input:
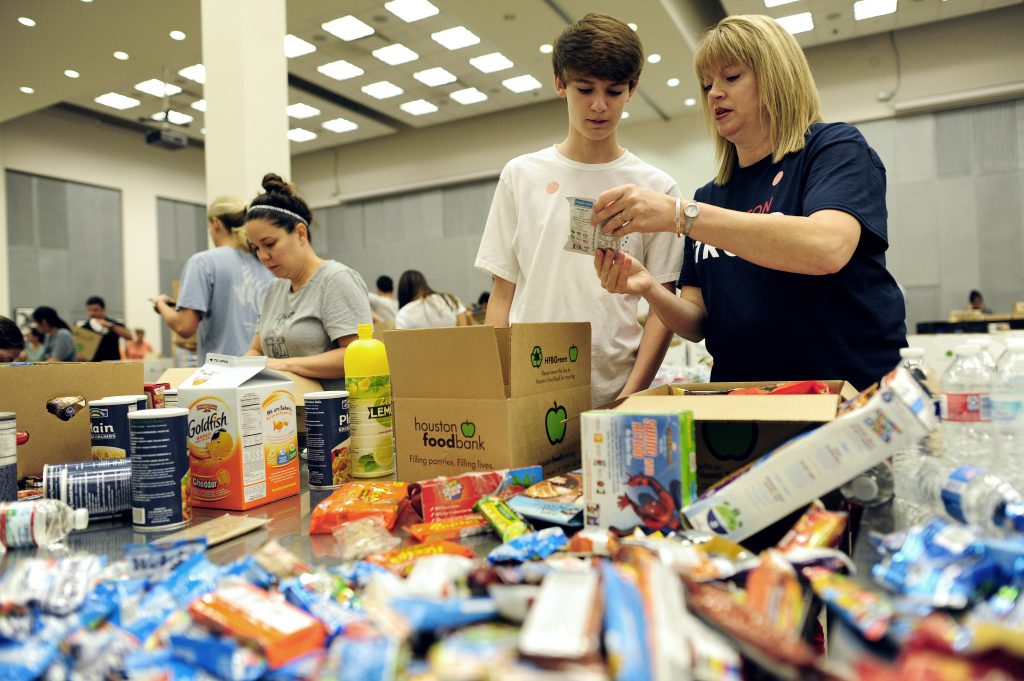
(12, 342)
(111, 330)
(784, 269)
(420, 307)
(138, 348)
(35, 347)
(383, 303)
(313, 307)
(60, 344)
(977, 302)
(221, 288)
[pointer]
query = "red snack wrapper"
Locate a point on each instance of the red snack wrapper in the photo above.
(444, 498)
(453, 529)
(817, 528)
(401, 560)
(790, 388)
(358, 499)
(774, 590)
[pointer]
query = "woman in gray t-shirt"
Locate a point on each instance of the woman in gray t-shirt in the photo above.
(313, 308)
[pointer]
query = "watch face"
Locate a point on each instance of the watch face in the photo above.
(691, 210)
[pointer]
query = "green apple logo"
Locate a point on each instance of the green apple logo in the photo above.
(574, 353)
(555, 422)
(536, 357)
(468, 428)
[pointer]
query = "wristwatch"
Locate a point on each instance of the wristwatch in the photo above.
(690, 212)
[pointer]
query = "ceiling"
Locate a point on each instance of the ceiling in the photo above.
(83, 35)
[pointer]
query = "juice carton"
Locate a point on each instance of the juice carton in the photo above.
(639, 470)
(242, 442)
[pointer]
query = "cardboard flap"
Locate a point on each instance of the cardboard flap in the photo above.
(779, 408)
(546, 357)
(175, 376)
(225, 371)
(456, 362)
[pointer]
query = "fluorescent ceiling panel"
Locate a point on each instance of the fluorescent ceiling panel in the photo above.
(173, 116)
(410, 10)
(522, 83)
(455, 38)
(347, 28)
(382, 89)
(199, 105)
(302, 110)
(395, 54)
(339, 125)
(301, 135)
(157, 88)
(196, 73)
(468, 96)
(295, 46)
(340, 70)
(869, 9)
(796, 23)
(489, 63)
(435, 76)
(418, 107)
(116, 101)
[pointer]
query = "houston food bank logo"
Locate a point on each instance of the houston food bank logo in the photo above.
(450, 435)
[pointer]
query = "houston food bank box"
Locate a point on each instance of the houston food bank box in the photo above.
(479, 398)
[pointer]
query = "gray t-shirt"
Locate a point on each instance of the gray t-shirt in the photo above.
(226, 285)
(330, 306)
(60, 345)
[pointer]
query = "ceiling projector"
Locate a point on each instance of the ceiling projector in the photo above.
(166, 139)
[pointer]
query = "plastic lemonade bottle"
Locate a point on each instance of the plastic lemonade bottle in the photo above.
(368, 381)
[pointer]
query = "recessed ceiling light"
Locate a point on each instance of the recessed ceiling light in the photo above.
(689, 101)
(196, 72)
(418, 107)
(199, 105)
(123, 56)
(455, 38)
(395, 54)
(295, 46)
(776, 3)
(672, 82)
(25, 21)
(347, 28)
(157, 88)
(522, 83)
(340, 70)
(300, 110)
(468, 96)
(654, 58)
(631, 25)
(382, 90)
(86, 1)
(489, 63)
(202, 131)
(301, 135)
(71, 73)
(173, 116)
(178, 35)
(27, 90)
(116, 101)
(796, 23)
(339, 125)
(410, 10)
(434, 77)
(546, 48)
(868, 9)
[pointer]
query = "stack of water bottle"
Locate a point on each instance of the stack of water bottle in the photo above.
(970, 469)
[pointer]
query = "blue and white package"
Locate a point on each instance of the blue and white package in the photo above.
(430, 614)
(553, 512)
(222, 656)
(531, 546)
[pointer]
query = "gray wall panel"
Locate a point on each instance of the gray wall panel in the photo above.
(995, 135)
(954, 143)
(1000, 241)
(915, 151)
(913, 217)
(52, 213)
(21, 217)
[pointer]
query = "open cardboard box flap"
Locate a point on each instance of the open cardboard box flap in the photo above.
(177, 375)
(457, 362)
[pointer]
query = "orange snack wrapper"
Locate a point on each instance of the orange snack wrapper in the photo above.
(452, 529)
(401, 560)
(279, 629)
(774, 590)
(358, 499)
(817, 528)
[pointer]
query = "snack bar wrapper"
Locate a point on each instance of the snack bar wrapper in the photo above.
(584, 237)
(445, 498)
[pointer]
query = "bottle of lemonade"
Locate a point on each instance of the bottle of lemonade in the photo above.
(368, 381)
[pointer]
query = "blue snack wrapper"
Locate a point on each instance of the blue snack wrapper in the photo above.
(221, 656)
(625, 627)
(427, 614)
(531, 546)
(552, 512)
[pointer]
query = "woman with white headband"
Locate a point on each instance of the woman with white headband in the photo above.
(313, 308)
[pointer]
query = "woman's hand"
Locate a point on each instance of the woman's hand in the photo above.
(621, 273)
(629, 208)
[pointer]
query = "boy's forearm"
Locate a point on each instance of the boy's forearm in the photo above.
(653, 345)
(500, 303)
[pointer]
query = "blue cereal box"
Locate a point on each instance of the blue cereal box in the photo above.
(639, 470)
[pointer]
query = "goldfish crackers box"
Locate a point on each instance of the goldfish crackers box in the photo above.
(639, 470)
(242, 433)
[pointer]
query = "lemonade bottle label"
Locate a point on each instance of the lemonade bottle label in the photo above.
(373, 443)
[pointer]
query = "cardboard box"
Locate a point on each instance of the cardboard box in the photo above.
(242, 433)
(478, 398)
(87, 342)
(25, 389)
(732, 430)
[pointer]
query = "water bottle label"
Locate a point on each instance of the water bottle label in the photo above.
(16, 527)
(1008, 411)
(953, 490)
(967, 407)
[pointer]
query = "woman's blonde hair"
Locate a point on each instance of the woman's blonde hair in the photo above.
(784, 80)
(230, 210)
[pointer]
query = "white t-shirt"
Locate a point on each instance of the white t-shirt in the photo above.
(385, 307)
(427, 313)
(523, 243)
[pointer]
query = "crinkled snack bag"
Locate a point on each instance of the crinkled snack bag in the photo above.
(532, 546)
(865, 610)
(774, 590)
(362, 537)
(400, 560)
(358, 499)
(452, 529)
(817, 528)
(443, 498)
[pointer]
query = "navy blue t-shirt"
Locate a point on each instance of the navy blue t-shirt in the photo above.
(766, 325)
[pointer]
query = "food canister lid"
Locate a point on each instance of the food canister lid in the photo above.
(114, 401)
(325, 394)
(6, 415)
(163, 413)
(134, 397)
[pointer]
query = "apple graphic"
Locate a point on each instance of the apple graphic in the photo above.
(556, 418)
(574, 353)
(536, 357)
(468, 428)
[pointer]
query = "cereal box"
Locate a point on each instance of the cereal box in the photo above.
(242, 433)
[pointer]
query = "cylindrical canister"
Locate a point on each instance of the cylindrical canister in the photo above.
(170, 397)
(109, 425)
(327, 438)
(161, 483)
(141, 400)
(102, 487)
(8, 457)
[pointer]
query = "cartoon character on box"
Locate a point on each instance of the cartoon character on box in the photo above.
(656, 507)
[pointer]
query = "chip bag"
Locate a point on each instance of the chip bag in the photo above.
(358, 499)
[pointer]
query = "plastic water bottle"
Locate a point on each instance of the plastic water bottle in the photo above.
(986, 351)
(1008, 407)
(40, 522)
(972, 495)
(873, 487)
(966, 406)
(906, 462)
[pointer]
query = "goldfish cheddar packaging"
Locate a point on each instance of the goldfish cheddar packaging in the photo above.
(242, 433)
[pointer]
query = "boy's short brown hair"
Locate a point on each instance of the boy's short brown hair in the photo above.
(599, 46)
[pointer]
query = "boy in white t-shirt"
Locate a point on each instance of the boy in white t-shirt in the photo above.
(597, 63)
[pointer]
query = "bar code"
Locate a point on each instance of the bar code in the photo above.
(139, 516)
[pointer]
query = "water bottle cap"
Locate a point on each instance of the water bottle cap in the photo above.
(864, 487)
(914, 352)
(967, 349)
(80, 518)
(1014, 512)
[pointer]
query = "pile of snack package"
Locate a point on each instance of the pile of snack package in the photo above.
(504, 576)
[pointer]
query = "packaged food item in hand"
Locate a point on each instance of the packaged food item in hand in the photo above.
(358, 499)
(585, 238)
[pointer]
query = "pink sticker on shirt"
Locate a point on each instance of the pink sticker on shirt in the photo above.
(552, 187)
(777, 180)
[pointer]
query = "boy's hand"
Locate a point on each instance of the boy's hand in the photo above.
(630, 208)
(621, 273)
